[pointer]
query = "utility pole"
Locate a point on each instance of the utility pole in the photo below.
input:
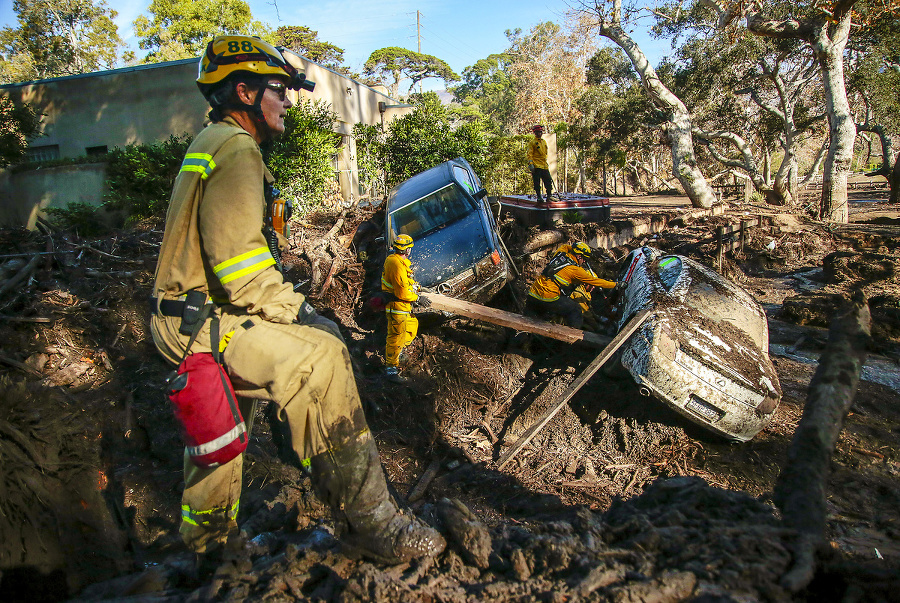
(419, 39)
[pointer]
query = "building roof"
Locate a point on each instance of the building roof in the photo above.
(123, 70)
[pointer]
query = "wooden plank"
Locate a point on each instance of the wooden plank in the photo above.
(583, 378)
(515, 321)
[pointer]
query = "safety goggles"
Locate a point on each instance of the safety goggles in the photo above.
(279, 89)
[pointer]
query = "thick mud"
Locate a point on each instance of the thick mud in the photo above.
(616, 499)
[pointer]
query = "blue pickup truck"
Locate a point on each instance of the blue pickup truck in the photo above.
(457, 249)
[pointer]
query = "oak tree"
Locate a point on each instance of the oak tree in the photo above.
(58, 37)
(392, 65)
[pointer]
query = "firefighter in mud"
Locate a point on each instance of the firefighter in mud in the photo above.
(551, 292)
(276, 347)
(537, 163)
(402, 326)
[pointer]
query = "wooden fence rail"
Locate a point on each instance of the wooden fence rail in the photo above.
(743, 230)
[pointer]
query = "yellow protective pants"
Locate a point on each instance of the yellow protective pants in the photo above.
(401, 330)
(306, 372)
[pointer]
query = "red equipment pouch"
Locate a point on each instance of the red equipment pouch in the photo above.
(206, 408)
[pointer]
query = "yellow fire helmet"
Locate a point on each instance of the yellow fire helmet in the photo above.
(226, 55)
(403, 242)
(580, 248)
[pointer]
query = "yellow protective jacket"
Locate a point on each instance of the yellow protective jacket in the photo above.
(397, 279)
(214, 240)
(537, 153)
(547, 289)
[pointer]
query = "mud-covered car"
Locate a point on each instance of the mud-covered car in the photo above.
(704, 349)
(457, 249)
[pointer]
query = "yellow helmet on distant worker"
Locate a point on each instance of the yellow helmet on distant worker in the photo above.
(227, 55)
(580, 248)
(403, 242)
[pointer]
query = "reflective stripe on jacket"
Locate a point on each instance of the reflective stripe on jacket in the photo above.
(213, 239)
(397, 279)
(545, 289)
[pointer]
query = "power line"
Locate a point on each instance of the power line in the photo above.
(468, 54)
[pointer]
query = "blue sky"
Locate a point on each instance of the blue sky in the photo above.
(459, 32)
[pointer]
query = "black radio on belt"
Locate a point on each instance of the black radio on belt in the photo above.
(194, 301)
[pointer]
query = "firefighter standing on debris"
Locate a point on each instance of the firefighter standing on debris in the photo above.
(537, 163)
(276, 348)
(551, 292)
(402, 326)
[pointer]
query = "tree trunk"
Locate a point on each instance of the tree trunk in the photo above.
(817, 163)
(828, 38)
(582, 177)
(800, 490)
(887, 150)
(605, 189)
(895, 182)
(678, 128)
(842, 129)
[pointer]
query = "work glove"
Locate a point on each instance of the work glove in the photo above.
(422, 302)
(308, 316)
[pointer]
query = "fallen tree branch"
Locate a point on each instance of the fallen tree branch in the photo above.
(543, 239)
(20, 365)
(800, 489)
(26, 318)
(422, 486)
(20, 276)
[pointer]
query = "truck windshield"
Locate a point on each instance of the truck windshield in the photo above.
(434, 211)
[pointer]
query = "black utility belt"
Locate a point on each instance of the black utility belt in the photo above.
(167, 307)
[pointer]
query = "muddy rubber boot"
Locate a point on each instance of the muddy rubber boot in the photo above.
(392, 374)
(350, 480)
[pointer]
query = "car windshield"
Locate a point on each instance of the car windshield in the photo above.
(430, 213)
(669, 270)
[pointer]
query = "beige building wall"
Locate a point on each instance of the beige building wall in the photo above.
(149, 103)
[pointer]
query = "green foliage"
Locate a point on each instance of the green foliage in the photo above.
(572, 217)
(18, 125)
(180, 29)
(487, 93)
(140, 177)
(424, 138)
(83, 218)
(401, 64)
(301, 159)
(305, 41)
(507, 172)
(369, 141)
(58, 37)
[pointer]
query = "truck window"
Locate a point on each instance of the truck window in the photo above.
(434, 211)
(466, 178)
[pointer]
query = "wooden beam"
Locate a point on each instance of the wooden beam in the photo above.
(515, 321)
(583, 378)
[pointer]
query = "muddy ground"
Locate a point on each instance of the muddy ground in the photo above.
(617, 499)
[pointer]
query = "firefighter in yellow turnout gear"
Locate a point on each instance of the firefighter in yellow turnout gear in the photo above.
(551, 292)
(402, 326)
(276, 347)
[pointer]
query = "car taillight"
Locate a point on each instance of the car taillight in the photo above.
(495, 257)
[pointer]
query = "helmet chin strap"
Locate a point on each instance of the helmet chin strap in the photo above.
(255, 113)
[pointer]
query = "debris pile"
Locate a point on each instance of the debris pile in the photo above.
(616, 499)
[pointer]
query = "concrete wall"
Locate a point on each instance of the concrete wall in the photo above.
(34, 190)
(146, 104)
